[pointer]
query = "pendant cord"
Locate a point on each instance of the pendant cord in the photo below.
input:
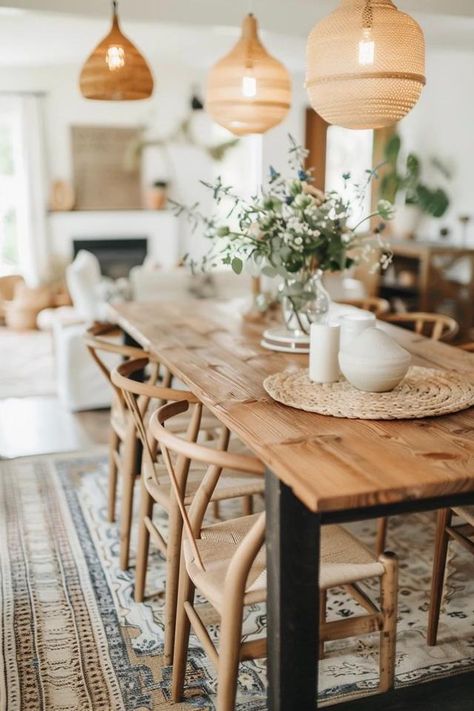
(114, 7)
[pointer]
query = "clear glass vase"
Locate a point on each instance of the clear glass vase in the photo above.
(304, 301)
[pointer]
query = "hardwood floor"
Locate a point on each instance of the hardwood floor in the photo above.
(40, 425)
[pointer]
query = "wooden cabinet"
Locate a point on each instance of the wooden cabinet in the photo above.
(427, 276)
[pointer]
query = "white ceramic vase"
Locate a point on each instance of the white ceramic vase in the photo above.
(375, 362)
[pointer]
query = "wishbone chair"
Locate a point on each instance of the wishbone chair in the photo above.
(438, 327)
(225, 563)
(374, 304)
(123, 449)
(155, 483)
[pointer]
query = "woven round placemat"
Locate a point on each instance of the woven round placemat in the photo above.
(424, 392)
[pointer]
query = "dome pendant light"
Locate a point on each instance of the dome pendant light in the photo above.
(248, 91)
(365, 64)
(116, 71)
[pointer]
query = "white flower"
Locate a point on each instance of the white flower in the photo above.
(385, 209)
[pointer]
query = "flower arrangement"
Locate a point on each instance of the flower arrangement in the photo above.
(292, 230)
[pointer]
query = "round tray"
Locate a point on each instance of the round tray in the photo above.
(424, 392)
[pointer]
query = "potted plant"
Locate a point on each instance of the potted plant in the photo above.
(293, 231)
(402, 185)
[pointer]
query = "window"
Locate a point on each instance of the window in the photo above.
(349, 151)
(9, 189)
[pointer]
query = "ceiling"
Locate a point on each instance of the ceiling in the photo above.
(195, 32)
(288, 16)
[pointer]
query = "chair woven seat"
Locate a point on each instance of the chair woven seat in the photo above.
(230, 486)
(343, 560)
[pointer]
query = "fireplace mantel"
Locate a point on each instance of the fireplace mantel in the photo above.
(160, 227)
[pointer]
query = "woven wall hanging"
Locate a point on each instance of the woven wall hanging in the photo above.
(116, 71)
(365, 64)
(248, 90)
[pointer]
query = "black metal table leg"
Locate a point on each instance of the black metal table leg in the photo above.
(292, 541)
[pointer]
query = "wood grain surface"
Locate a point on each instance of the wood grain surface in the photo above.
(331, 464)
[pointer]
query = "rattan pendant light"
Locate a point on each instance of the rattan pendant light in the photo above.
(248, 91)
(365, 64)
(116, 71)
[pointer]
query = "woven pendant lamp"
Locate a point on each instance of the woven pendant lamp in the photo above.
(116, 71)
(248, 91)
(365, 64)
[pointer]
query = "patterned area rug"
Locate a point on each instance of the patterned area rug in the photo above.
(73, 639)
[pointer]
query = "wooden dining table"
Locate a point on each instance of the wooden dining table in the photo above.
(319, 470)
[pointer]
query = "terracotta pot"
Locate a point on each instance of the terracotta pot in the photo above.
(155, 198)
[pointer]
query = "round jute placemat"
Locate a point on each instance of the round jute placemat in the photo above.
(424, 392)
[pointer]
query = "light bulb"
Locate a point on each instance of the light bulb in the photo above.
(366, 48)
(249, 86)
(115, 57)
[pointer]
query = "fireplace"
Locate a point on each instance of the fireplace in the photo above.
(116, 255)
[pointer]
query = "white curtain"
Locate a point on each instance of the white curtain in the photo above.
(30, 157)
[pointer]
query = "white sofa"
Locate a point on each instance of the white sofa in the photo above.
(80, 384)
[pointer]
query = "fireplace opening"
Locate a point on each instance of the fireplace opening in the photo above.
(116, 256)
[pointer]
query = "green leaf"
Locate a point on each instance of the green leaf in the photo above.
(413, 166)
(392, 149)
(237, 265)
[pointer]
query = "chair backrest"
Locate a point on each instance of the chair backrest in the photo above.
(438, 327)
(469, 347)
(83, 278)
(374, 304)
(217, 459)
(138, 394)
(99, 339)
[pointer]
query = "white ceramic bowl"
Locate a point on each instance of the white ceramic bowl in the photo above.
(374, 362)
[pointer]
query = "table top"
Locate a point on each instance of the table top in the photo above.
(331, 464)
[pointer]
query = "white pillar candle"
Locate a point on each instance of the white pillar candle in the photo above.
(324, 352)
(353, 324)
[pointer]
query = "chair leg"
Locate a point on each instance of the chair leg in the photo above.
(323, 599)
(439, 567)
(146, 511)
(128, 472)
(183, 628)
(381, 539)
(388, 607)
(172, 580)
(112, 482)
(229, 653)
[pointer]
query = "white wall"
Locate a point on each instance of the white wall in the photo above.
(64, 106)
(442, 125)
